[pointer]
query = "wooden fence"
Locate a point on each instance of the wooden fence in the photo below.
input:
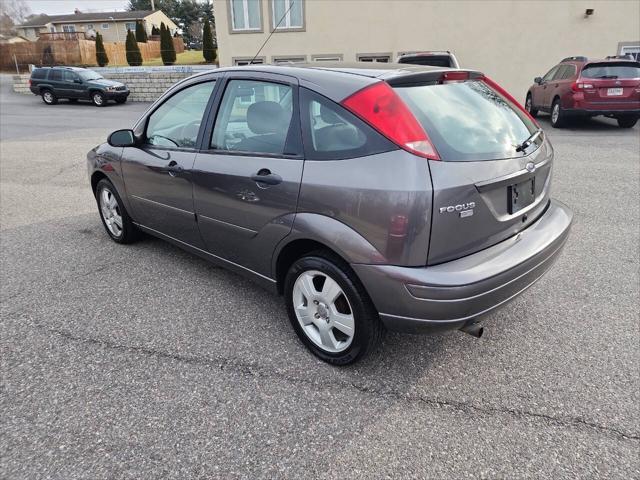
(72, 52)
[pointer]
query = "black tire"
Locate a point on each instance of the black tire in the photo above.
(627, 122)
(561, 117)
(98, 99)
(528, 105)
(130, 232)
(121, 100)
(368, 329)
(49, 97)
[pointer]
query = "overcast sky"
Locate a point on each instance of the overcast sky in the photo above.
(55, 7)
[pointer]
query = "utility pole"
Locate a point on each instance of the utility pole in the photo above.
(153, 5)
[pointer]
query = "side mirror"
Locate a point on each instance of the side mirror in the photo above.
(122, 138)
(538, 80)
(77, 80)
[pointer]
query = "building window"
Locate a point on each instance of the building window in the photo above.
(105, 26)
(69, 28)
(327, 58)
(52, 29)
(89, 26)
(240, 62)
(245, 15)
(289, 59)
(374, 57)
(290, 12)
(130, 26)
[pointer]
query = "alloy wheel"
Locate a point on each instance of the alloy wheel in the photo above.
(97, 99)
(110, 211)
(323, 311)
(555, 113)
(527, 104)
(48, 97)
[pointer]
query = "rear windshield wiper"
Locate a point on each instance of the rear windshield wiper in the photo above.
(608, 76)
(528, 141)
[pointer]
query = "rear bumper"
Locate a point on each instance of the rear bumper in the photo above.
(587, 112)
(452, 294)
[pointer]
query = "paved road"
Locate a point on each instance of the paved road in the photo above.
(145, 362)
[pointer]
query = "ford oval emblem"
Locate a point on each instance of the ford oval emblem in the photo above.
(531, 167)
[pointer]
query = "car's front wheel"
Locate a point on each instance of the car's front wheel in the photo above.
(627, 122)
(330, 310)
(114, 216)
(98, 99)
(558, 115)
(528, 105)
(49, 97)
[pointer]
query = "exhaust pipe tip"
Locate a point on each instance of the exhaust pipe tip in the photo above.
(473, 329)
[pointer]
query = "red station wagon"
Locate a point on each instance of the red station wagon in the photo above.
(578, 86)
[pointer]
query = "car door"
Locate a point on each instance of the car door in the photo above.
(72, 85)
(158, 173)
(540, 92)
(246, 182)
(552, 85)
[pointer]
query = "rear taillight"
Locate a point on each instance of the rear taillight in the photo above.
(29, 82)
(384, 110)
(579, 86)
(508, 96)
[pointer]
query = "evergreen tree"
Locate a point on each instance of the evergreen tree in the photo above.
(208, 50)
(155, 30)
(141, 32)
(167, 50)
(134, 57)
(101, 54)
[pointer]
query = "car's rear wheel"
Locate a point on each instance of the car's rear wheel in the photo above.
(330, 310)
(49, 97)
(98, 99)
(627, 122)
(114, 216)
(528, 105)
(558, 116)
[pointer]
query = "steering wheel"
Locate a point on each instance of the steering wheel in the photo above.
(186, 134)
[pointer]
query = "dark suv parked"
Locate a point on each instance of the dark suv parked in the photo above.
(578, 86)
(53, 83)
(407, 197)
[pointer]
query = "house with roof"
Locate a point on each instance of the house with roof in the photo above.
(113, 26)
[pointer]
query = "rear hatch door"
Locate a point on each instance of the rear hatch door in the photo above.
(611, 84)
(492, 179)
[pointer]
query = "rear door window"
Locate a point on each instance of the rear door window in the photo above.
(332, 133)
(55, 75)
(550, 74)
(254, 116)
(468, 121)
(618, 70)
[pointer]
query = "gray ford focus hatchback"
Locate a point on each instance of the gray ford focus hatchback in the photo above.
(397, 197)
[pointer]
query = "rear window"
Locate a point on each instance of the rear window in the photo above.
(468, 121)
(612, 70)
(433, 60)
(38, 74)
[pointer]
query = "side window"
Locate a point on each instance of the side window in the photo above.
(38, 74)
(254, 116)
(569, 72)
(70, 76)
(560, 73)
(332, 133)
(550, 74)
(55, 75)
(176, 122)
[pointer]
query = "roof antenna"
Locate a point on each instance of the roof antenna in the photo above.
(271, 33)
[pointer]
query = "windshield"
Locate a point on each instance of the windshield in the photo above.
(612, 70)
(87, 75)
(469, 121)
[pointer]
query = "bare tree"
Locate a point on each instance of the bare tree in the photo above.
(16, 10)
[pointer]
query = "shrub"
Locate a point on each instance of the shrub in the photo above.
(155, 30)
(141, 32)
(208, 50)
(101, 55)
(167, 50)
(134, 57)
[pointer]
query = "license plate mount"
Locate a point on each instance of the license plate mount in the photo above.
(614, 92)
(521, 195)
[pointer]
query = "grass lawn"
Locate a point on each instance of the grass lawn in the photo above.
(188, 57)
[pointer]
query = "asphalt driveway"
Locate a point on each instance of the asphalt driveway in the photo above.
(143, 361)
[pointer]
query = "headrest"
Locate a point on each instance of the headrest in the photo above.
(329, 116)
(266, 117)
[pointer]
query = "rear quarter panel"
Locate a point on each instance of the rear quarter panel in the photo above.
(105, 160)
(385, 198)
